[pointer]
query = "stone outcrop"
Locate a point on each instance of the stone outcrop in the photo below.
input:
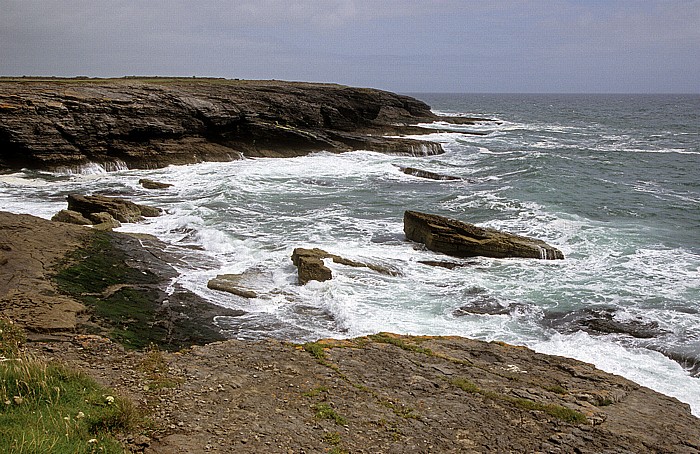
(309, 263)
(420, 173)
(233, 284)
(71, 217)
(150, 184)
(120, 209)
(459, 239)
(149, 123)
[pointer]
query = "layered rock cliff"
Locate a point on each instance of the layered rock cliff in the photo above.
(148, 123)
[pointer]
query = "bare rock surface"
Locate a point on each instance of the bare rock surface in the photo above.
(381, 393)
(460, 239)
(150, 184)
(149, 123)
(120, 209)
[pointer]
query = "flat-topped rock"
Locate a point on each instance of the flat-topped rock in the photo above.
(459, 239)
(120, 209)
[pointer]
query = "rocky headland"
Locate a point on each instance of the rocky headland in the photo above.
(104, 303)
(150, 123)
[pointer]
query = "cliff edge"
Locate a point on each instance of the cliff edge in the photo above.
(149, 123)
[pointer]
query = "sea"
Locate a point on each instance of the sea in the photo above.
(613, 181)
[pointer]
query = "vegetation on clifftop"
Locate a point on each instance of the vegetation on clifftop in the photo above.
(48, 408)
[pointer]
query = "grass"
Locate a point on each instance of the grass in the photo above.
(325, 411)
(401, 343)
(155, 367)
(557, 411)
(48, 408)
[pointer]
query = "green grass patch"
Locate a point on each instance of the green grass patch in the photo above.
(156, 369)
(557, 411)
(48, 408)
(465, 385)
(401, 343)
(556, 389)
(316, 349)
(332, 438)
(11, 338)
(325, 411)
(316, 391)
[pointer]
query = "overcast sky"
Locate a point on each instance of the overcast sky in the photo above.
(400, 45)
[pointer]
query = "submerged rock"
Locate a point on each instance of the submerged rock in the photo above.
(310, 265)
(460, 239)
(427, 174)
(120, 209)
(150, 184)
(481, 303)
(602, 321)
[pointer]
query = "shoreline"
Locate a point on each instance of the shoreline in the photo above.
(387, 392)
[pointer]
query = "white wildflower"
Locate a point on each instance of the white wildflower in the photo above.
(109, 400)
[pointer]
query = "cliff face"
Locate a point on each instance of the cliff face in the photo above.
(145, 123)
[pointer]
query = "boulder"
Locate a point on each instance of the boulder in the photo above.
(103, 221)
(231, 283)
(150, 184)
(311, 267)
(426, 174)
(71, 217)
(120, 209)
(459, 239)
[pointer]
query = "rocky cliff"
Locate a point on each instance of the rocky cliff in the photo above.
(148, 123)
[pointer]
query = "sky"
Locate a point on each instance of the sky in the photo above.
(407, 46)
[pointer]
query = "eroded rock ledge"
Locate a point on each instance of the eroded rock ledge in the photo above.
(149, 123)
(460, 239)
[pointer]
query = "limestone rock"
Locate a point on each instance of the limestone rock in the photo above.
(120, 209)
(427, 174)
(71, 217)
(231, 283)
(311, 267)
(150, 184)
(460, 239)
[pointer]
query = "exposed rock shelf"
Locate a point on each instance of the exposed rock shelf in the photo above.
(381, 393)
(460, 239)
(149, 123)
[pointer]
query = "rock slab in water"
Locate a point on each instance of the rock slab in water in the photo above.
(231, 283)
(120, 209)
(310, 265)
(459, 239)
(420, 173)
(150, 184)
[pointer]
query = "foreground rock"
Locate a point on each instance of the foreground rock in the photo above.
(149, 123)
(59, 279)
(460, 239)
(120, 209)
(310, 266)
(383, 393)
